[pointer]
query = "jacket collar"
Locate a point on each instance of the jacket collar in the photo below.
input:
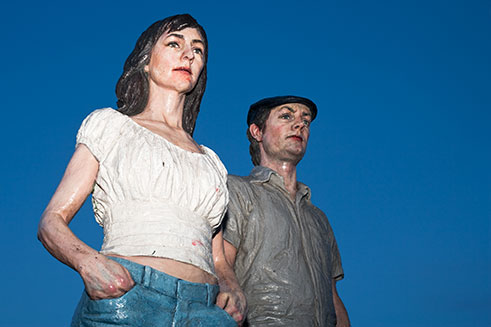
(260, 174)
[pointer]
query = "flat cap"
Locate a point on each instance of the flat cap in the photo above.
(269, 103)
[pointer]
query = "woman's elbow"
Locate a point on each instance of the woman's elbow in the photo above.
(42, 226)
(45, 225)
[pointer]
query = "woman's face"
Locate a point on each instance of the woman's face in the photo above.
(177, 60)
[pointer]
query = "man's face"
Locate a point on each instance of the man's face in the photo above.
(286, 133)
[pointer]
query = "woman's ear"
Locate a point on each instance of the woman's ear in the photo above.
(256, 132)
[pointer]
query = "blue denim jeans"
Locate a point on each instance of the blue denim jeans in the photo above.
(157, 299)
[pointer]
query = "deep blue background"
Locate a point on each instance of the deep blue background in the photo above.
(399, 155)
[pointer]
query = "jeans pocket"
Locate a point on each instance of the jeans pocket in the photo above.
(227, 319)
(110, 305)
(116, 312)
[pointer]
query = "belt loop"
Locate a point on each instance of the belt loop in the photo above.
(179, 286)
(147, 274)
(209, 294)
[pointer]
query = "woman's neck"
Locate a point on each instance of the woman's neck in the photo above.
(164, 106)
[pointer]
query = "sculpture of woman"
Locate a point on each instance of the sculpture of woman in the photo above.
(159, 196)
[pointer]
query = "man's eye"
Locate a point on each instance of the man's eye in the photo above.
(173, 44)
(306, 122)
(285, 116)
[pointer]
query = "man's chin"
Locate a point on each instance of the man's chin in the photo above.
(297, 152)
(294, 156)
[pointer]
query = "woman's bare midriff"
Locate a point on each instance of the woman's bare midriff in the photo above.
(174, 268)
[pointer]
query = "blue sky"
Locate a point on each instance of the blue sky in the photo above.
(399, 154)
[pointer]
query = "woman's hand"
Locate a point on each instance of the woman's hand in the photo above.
(234, 303)
(231, 298)
(104, 278)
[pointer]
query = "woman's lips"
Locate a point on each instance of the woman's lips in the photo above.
(183, 69)
(296, 137)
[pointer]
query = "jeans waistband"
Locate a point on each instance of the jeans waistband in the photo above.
(170, 285)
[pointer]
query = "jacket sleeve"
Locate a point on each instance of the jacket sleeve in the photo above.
(236, 218)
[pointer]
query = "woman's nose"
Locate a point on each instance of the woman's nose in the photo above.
(188, 53)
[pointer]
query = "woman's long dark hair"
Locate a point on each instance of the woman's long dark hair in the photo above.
(132, 87)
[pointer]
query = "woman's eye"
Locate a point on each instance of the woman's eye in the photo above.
(173, 44)
(198, 51)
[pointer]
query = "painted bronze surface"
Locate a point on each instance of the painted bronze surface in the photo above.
(287, 254)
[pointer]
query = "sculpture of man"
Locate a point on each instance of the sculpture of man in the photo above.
(282, 246)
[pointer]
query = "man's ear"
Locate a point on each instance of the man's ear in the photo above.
(256, 132)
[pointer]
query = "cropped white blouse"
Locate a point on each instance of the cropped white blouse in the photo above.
(152, 197)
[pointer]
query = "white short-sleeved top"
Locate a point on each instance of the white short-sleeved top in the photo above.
(152, 197)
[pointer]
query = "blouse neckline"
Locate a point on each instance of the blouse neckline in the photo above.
(146, 130)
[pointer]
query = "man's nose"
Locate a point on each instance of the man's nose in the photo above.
(298, 123)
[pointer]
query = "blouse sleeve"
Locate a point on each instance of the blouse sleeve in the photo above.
(220, 206)
(98, 132)
(218, 163)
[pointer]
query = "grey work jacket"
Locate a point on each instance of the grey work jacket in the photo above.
(287, 255)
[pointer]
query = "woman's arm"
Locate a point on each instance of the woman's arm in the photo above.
(103, 278)
(231, 298)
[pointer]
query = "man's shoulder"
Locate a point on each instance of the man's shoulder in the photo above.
(313, 207)
(240, 187)
(235, 181)
(308, 201)
(316, 209)
(317, 214)
(237, 178)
